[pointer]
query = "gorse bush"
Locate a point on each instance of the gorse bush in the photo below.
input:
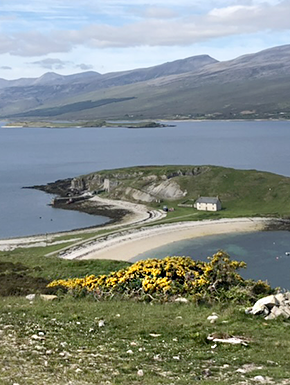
(215, 280)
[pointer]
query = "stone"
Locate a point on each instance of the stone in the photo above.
(286, 311)
(287, 296)
(207, 373)
(101, 323)
(272, 306)
(263, 303)
(260, 379)
(182, 300)
(48, 297)
(212, 318)
(280, 298)
(31, 297)
(230, 340)
(140, 373)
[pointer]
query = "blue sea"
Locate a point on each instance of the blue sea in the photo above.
(33, 156)
(265, 252)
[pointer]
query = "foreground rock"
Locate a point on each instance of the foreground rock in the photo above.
(272, 306)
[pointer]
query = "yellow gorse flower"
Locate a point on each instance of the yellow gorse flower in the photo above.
(171, 275)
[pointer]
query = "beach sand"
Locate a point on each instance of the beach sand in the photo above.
(127, 246)
(129, 238)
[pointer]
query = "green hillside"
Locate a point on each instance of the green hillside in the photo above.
(242, 192)
(176, 97)
(248, 87)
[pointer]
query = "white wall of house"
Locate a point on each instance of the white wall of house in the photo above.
(207, 207)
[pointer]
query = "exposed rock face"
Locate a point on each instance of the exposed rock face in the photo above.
(78, 184)
(168, 189)
(138, 195)
(137, 185)
(272, 306)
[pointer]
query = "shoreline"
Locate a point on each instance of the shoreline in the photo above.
(128, 237)
(128, 245)
(121, 214)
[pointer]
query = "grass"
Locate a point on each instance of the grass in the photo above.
(243, 193)
(185, 96)
(60, 342)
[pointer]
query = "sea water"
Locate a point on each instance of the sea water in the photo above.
(33, 156)
(267, 253)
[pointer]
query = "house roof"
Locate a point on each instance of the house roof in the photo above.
(212, 200)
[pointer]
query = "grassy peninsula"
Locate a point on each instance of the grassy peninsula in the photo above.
(243, 193)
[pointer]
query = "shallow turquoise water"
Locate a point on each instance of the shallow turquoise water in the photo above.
(264, 252)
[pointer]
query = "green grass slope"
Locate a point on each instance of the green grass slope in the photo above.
(242, 192)
(183, 96)
(61, 342)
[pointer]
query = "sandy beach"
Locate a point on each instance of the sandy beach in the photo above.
(138, 214)
(129, 238)
(129, 244)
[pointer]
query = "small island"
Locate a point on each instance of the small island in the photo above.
(86, 124)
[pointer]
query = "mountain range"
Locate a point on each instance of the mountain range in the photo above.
(198, 87)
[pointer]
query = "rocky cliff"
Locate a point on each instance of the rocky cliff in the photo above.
(138, 184)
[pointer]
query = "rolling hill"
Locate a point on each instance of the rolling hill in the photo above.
(251, 86)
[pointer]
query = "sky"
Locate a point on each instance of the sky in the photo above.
(72, 36)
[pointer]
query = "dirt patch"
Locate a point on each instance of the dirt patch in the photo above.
(15, 280)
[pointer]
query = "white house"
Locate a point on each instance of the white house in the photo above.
(208, 204)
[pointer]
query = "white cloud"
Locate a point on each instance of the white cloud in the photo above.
(231, 11)
(84, 67)
(157, 13)
(153, 30)
(98, 31)
(51, 64)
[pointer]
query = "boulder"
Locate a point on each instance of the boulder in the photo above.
(272, 306)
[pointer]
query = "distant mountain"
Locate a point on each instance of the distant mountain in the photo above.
(251, 86)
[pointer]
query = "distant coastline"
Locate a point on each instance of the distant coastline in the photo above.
(158, 123)
(85, 124)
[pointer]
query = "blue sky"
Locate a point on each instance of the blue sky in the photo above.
(70, 36)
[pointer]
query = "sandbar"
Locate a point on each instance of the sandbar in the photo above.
(128, 245)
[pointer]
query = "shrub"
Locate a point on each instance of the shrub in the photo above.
(215, 280)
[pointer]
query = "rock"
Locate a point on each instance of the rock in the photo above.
(247, 368)
(36, 337)
(31, 297)
(280, 298)
(230, 340)
(264, 304)
(154, 335)
(260, 379)
(140, 373)
(182, 300)
(272, 306)
(212, 318)
(48, 297)
(207, 373)
(101, 323)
